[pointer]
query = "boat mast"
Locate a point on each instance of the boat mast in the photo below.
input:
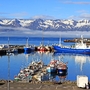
(81, 39)
(27, 43)
(42, 37)
(8, 44)
(60, 41)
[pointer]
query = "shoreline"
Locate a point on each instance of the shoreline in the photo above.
(66, 85)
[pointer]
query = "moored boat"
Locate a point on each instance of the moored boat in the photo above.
(51, 68)
(41, 48)
(3, 46)
(80, 48)
(28, 48)
(61, 68)
(57, 66)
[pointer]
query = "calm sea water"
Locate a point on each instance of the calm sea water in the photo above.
(77, 64)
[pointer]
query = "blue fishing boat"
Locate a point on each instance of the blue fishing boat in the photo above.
(28, 48)
(79, 48)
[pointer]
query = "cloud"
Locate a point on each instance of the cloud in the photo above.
(43, 17)
(85, 16)
(82, 11)
(73, 17)
(36, 33)
(3, 13)
(82, 3)
(19, 15)
(81, 14)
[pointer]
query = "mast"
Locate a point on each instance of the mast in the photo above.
(81, 39)
(8, 85)
(42, 37)
(8, 45)
(27, 43)
(60, 41)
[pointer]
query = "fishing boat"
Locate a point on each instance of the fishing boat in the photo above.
(61, 68)
(79, 48)
(41, 48)
(28, 48)
(51, 68)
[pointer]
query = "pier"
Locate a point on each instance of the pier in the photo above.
(11, 48)
(19, 48)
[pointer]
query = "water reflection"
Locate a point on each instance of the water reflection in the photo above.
(81, 60)
(77, 64)
(59, 68)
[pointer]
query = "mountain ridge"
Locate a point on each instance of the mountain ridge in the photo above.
(47, 25)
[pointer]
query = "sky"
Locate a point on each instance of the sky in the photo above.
(45, 9)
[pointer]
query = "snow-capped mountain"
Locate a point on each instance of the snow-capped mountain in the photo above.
(50, 25)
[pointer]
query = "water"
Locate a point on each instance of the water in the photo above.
(77, 64)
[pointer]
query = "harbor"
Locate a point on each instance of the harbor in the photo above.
(39, 67)
(86, 40)
(44, 45)
(20, 49)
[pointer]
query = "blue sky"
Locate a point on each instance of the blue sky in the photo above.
(46, 9)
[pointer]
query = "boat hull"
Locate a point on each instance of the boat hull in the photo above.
(27, 50)
(51, 70)
(62, 72)
(71, 50)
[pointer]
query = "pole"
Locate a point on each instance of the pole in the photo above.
(8, 53)
(8, 85)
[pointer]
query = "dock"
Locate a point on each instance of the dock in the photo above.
(75, 40)
(19, 48)
(5, 50)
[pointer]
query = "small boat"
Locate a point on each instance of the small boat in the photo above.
(3, 46)
(51, 68)
(79, 48)
(61, 67)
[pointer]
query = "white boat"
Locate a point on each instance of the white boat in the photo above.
(2, 46)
